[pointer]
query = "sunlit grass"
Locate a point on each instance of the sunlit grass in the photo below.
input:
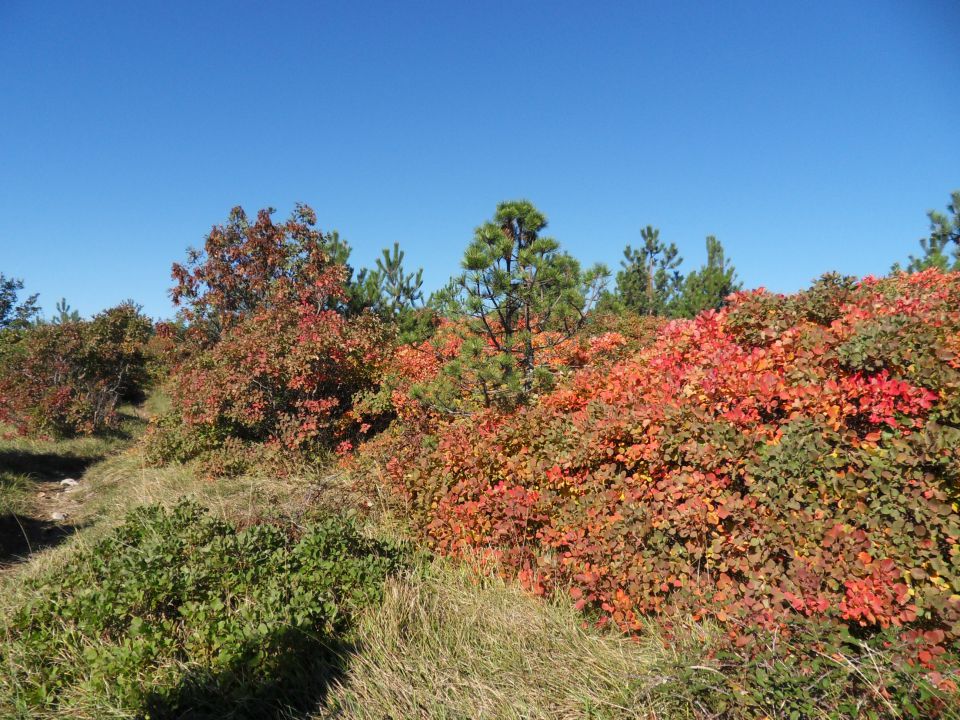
(457, 642)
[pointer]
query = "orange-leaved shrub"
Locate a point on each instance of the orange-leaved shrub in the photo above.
(283, 377)
(414, 371)
(785, 459)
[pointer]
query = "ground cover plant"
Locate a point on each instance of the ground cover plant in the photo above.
(785, 465)
(177, 612)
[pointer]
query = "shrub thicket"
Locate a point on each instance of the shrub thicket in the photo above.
(785, 461)
(66, 379)
(282, 377)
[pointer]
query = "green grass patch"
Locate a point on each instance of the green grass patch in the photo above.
(176, 611)
(14, 489)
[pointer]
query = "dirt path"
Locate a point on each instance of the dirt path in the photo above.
(44, 517)
(45, 482)
(59, 503)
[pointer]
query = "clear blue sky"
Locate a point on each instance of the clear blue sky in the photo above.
(806, 136)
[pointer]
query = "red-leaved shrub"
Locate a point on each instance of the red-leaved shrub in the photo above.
(68, 379)
(283, 376)
(781, 459)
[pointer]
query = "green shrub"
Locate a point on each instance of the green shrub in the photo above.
(177, 610)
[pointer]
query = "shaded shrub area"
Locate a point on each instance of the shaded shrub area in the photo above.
(786, 465)
(177, 614)
(68, 379)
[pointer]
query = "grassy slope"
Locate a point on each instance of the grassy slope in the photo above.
(449, 642)
(113, 479)
(30, 489)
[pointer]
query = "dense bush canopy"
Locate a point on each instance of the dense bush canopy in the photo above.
(64, 379)
(283, 377)
(243, 266)
(781, 459)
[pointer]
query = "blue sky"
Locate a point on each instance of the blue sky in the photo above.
(807, 136)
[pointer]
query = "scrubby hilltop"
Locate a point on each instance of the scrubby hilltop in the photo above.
(748, 509)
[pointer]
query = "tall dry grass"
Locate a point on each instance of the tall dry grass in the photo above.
(457, 642)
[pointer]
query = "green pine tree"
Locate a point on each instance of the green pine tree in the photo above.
(65, 314)
(399, 295)
(518, 296)
(941, 249)
(649, 281)
(708, 287)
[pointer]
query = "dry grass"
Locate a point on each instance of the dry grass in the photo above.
(458, 643)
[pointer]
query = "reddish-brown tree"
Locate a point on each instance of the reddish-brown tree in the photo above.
(243, 266)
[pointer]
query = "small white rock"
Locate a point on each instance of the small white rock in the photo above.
(70, 482)
(58, 516)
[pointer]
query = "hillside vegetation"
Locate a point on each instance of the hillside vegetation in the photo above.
(787, 466)
(315, 494)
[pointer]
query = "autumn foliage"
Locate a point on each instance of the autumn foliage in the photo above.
(784, 459)
(283, 377)
(244, 266)
(68, 379)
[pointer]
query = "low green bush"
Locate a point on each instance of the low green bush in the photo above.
(176, 611)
